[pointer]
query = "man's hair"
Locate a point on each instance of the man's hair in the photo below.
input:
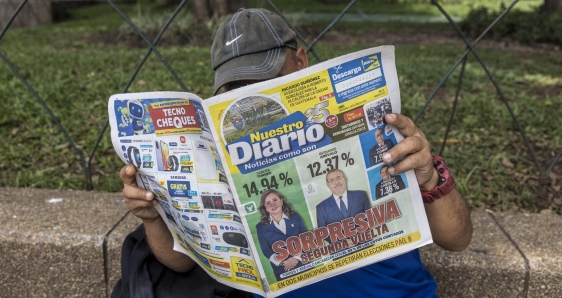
(332, 171)
(250, 45)
(385, 166)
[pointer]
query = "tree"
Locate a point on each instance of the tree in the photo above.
(205, 9)
(551, 6)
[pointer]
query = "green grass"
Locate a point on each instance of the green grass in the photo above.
(75, 74)
(459, 8)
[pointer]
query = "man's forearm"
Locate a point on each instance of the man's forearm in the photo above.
(449, 221)
(162, 245)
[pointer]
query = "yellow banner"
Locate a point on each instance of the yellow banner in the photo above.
(170, 103)
(176, 131)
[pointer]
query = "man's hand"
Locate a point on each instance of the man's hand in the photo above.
(448, 217)
(415, 151)
(141, 204)
(139, 201)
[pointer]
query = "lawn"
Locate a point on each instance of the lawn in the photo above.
(77, 64)
(458, 8)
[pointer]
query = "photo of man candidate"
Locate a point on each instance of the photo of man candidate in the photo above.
(342, 203)
(389, 183)
(279, 221)
(382, 145)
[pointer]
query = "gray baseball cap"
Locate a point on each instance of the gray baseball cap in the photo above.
(250, 45)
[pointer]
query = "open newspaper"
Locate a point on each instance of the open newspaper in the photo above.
(279, 184)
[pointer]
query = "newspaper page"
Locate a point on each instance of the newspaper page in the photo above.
(167, 137)
(303, 156)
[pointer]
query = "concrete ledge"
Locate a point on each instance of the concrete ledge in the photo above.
(52, 242)
(539, 240)
(489, 267)
(511, 254)
(71, 248)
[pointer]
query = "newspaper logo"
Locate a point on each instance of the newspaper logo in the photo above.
(244, 268)
(250, 208)
(310, 189)
(284, 139)
(175, 116)
(370, 63)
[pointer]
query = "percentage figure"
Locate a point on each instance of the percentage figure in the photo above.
(348, 160)
(332, 162)
(266, 183)
(285, 178)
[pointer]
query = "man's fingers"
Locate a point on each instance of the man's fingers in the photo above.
(133, 192)
(127, 174)
(414, 161)
(412, 153)
(134, 205)
(406, 126)
(407, 146)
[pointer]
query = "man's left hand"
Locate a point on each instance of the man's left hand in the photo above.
(448, 217)
(414, 150)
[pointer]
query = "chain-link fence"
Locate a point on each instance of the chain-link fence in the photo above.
(15, 8)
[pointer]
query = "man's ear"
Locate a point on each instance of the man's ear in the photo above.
(302, 58)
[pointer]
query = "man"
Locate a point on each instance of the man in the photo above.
(389, 183)
(256, 45)
(376, 152)
(342, 203)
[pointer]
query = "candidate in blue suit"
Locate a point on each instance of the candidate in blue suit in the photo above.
(342, 203)
(279, 221)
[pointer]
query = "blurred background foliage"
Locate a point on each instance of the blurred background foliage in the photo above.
(77, 63)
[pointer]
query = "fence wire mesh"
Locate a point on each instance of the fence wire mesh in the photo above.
(152, 47)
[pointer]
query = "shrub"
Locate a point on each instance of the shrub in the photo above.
(182, 27)
(525, 27)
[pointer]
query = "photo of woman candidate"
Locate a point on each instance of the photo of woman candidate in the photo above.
(279, 221)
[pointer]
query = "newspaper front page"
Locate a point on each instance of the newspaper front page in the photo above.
(279, 184)
(310, 144)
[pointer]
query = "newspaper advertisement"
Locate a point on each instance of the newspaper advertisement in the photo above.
(167, 137)
(303, 154)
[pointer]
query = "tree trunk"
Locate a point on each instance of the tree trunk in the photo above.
(220, 7)
(551, 6)
(205, 9)
(202, 10)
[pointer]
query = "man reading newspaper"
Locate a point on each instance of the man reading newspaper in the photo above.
(256, 45)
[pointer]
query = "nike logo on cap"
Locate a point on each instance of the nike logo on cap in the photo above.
(231, 41)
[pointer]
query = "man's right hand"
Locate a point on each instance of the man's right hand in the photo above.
(139, 201)
(141, 204)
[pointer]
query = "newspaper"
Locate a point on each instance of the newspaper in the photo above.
(279, 184)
